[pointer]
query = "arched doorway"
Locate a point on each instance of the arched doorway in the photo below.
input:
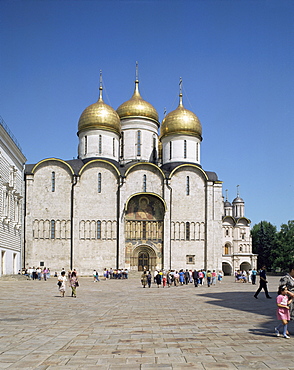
(227, 268)
(245, 266)
(143, 261)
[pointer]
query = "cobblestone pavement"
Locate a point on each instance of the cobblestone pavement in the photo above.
(116, 324)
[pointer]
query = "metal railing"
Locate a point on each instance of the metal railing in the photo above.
(6, 128)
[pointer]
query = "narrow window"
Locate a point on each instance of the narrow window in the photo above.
(86, 145)
(185, 148)
(197, 152)
(113, 147)
(53, 181)
(187, 230)
(170, 150)
(138, 143)
(154, 148)
(122, 145)
(188, 185)
(52, 233)
(98, 229)
(99, 182)
(144, 183)
(100, 144)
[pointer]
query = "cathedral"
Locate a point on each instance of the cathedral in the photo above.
(136, 197)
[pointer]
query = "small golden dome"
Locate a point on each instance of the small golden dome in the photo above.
(100, 116)
(181, 121)
(137, 107)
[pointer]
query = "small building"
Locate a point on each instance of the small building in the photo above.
(12, 163)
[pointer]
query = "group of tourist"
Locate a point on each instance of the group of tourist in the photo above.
(34, 273)
(243, 276)
(62, 279)
(115, 273)
(173, 277)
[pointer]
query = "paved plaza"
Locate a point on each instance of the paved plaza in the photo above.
(116, 324)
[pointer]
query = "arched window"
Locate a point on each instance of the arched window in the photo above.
(170, 150)
(154, 148)
(100, 144)
(52, 231)
(144, 183)
(86, 145)
(187, 230)
(113, 147)
(98, 229)
(122, 145)
(185, 148)
(188, 185)
(99, 182)
(197, 152)
(53, 181)
(138, 143)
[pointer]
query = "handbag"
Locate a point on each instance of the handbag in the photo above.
(59, 283)
(77, 283)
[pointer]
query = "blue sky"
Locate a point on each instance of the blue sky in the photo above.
(235, 57)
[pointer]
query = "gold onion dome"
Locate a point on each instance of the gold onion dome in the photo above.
(137, 107)
(100, 116)
(181, 121)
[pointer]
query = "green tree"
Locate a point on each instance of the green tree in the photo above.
(283, 254)
(264, 240)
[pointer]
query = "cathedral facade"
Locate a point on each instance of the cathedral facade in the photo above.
(136, 197)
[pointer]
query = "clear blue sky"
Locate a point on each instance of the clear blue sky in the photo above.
(236, 59)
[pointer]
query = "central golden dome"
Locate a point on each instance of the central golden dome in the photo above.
(181, 121)
(99, 116)
(137, 107)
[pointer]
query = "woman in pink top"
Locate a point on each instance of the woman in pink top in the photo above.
(283, 312)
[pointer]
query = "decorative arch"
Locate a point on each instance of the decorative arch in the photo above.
(146, 195)
(144, 164)
(54, 160)
(97, 161)
(143, 257)
(189, 165)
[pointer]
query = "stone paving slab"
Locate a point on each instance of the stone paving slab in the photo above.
(116, 324)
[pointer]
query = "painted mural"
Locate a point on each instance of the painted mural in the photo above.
(145, 208)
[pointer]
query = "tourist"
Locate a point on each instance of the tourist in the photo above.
(187, 277)
(74, 284)
(195, 278)
(208, 278)
(253, 276)
(149, 279)
(158, 279)
(213, 278)
(288, 280)
(181, 277)
(262, 283)
(220, 276)
(201, 275)
(144, 279)
(283, 313)
(61, 283)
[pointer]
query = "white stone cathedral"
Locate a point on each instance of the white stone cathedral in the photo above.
(136, 197)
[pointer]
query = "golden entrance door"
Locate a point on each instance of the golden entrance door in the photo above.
(143, 261)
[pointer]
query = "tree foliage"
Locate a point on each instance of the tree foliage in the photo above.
(275, 249)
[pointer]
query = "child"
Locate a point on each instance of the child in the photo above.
(283, 312)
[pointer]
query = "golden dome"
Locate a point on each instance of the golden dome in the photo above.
(100, 116)
(181, 121)
(137, 107)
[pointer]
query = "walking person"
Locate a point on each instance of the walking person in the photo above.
(74, 284)
(208, 278)
(62, 283)
(253, 276)
(195, 278)
(283, 312)
(144, 279)
(288, 280)
(149, 279)
(262, 283)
